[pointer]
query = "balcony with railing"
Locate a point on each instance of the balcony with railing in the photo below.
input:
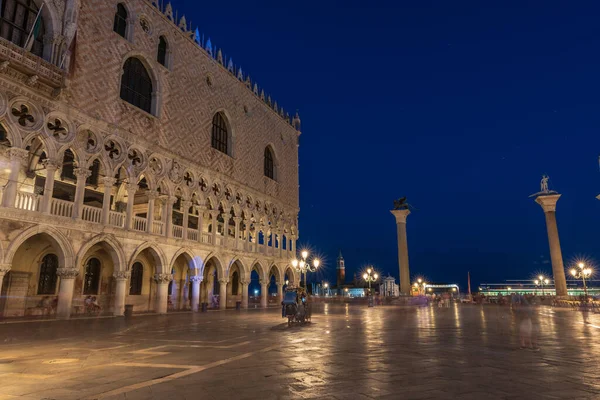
(32, 202)
(30, 64)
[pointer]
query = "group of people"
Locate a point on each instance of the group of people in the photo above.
(442, 300)
(91, 305)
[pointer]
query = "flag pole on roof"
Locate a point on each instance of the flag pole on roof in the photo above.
(35, 30)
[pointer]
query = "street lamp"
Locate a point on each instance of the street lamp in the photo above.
(326, 286)
(304, 266)
(370, 276)
(541, 281)
(420, 285)
(582, 273)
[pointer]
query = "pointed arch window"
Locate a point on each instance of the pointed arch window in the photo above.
(48, 278)
(162, 51)
(220, 133)
(68, 166)
(18, 18)
(235, 283)
(91, 277)
(120, 24)
(92, 180)
(136, 85)
(269, 164)
(137, 276)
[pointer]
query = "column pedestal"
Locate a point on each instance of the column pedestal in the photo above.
(548, 204)
(402, 250)
(195, 280)
(65, 292)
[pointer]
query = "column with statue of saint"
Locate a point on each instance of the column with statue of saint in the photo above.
(401, 211)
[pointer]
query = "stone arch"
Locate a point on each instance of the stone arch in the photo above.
(261, 270)
(116, 251)
(160, 260)
(12, 134)
(276, 271)
(189, 255)
(219, 265)
(56, 237)
(154, 76)
(131, 18)
(169, 53)
(291, 273)
(243, 268)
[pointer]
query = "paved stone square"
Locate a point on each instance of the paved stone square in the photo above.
(347, 352)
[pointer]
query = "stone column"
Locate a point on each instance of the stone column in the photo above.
(109, 182)
(51, 167)
(82, 174)
(223, 294)
(245, 285)
(279, 292)
(65, 291)
(131, 189)
(548, 203)
(162, 292)
(195, 280)
(200, 223)
(121, 291)
(186, 216)
(264, 289)
(152, 196)
(214, 215)
(169, 216)
(402, 250)
(17, 157)
(238, 221)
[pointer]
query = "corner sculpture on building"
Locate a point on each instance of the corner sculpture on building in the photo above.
(136, 166)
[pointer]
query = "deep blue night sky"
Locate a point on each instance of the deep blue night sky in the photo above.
(460, 107)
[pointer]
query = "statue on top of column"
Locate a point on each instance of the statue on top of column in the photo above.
(544, 184)
(401, 204)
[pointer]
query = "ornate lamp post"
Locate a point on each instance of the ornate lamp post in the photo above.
(582, 274)
(541, 281)
(370, 276)
(303, 266)
(420, 284)
(326, 286)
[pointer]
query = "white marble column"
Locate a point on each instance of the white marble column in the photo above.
(65, 291)
(131, 189)
(17, 157)
(237, 221)
(152, 196)
(169, 215)
(162, 292)
(82, 174)
(245, 285)
(186, 217)
(223, 294)
(109, 182)
(122, 277)
(51, 167)
(400, 216)
(264, 295)
(195, 280)
(548, 204)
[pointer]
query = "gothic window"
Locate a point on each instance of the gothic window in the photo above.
(137, 275)
(269, 164)
(92, 276)
(136, 85)
(220, 133)
(68, 166)
(17, 21)
(120, 25)
(235, 283)
(162, 51)
(48, 278)
(92, 180)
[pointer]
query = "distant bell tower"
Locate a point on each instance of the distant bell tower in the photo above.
(341, 271)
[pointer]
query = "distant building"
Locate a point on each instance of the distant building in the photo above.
(341, 270)
(389, 288)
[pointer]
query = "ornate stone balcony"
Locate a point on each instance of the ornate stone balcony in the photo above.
(29, 64)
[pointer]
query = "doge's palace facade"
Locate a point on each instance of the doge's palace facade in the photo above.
(137, 164)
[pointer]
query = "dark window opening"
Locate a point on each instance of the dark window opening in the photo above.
(171, 283)
(220, 134)
(92, 276)
(92, 180)
(17, 20)
(162, 51)
(235, 283)
(137, 275)
(48, 278)
(269, 164)
(120, 24)
(68, 166)
(136, 85)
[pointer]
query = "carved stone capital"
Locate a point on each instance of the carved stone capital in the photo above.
(67, 273)
(163, 278)
(16, 154)
(237, 220)
(51, 165)
(122, 275)
(244, 283)
(109, 181)
(132, 187)
(195, 279)
(82, 173)
(223, 281)
(263, 282)
(152, 194)
(400, 215)
(4, 269)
